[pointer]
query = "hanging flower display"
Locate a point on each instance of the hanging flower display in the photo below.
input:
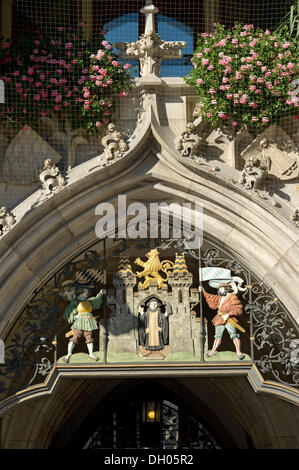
(245, 76)
(62, 75)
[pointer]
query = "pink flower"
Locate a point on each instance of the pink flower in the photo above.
(43, 113)
(205, 61)
(108, 47)
(265, 119)
(115, 63)
(234, 123)
(199, 81)
(127, 66)
(267, 32)
(81, 24)
(209, 115)
(60, 28)
(199, 55)
(100, 54)
(36, 97)
(98, 124)
(211, 67)
(57, 107)
(104, 43)
(68, 45)
(225, 79)
(254, 118)
(286, 45)
(252, 87)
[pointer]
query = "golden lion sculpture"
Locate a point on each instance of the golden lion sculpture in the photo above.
(151, 269)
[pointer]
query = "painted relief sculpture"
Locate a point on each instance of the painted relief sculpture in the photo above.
(79, 313)
(153, 329)
(154, 319)
(228, 306)
(151, 269)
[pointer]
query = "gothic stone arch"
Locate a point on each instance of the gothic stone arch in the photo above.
(52, 234)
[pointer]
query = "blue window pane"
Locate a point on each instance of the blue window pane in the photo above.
(171, 30)
(124, 29)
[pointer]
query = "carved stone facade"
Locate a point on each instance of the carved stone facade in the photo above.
(167, 155)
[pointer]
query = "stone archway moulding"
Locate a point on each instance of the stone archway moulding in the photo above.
(52, 233)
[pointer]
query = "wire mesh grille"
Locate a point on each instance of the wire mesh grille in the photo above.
(37, 89)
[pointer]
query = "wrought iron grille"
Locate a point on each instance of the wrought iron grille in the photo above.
(37, 340)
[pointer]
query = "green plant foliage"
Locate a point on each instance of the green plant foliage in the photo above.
(243, 76)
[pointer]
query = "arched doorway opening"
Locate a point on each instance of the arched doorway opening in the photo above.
(147, 414)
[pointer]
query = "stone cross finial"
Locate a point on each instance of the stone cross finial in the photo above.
(149, 11)
(150, 49)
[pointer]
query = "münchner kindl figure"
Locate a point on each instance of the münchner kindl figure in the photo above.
(153, 325)
(229, 308)
(79, 313)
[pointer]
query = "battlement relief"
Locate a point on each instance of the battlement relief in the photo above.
(158, 320)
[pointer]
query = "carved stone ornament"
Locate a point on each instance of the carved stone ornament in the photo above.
(114, 145)
(253, 174)
(7, 220)
(189, 142)
(295, 217)
(150, 49)
(277, 153)
(51, 178)
(254, 177)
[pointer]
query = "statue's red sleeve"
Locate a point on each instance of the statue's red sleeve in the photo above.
(212, 300)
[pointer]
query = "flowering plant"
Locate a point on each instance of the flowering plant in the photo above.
(243, 76)
(62, 76)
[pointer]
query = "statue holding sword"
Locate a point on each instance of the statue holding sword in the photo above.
(228, 307)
